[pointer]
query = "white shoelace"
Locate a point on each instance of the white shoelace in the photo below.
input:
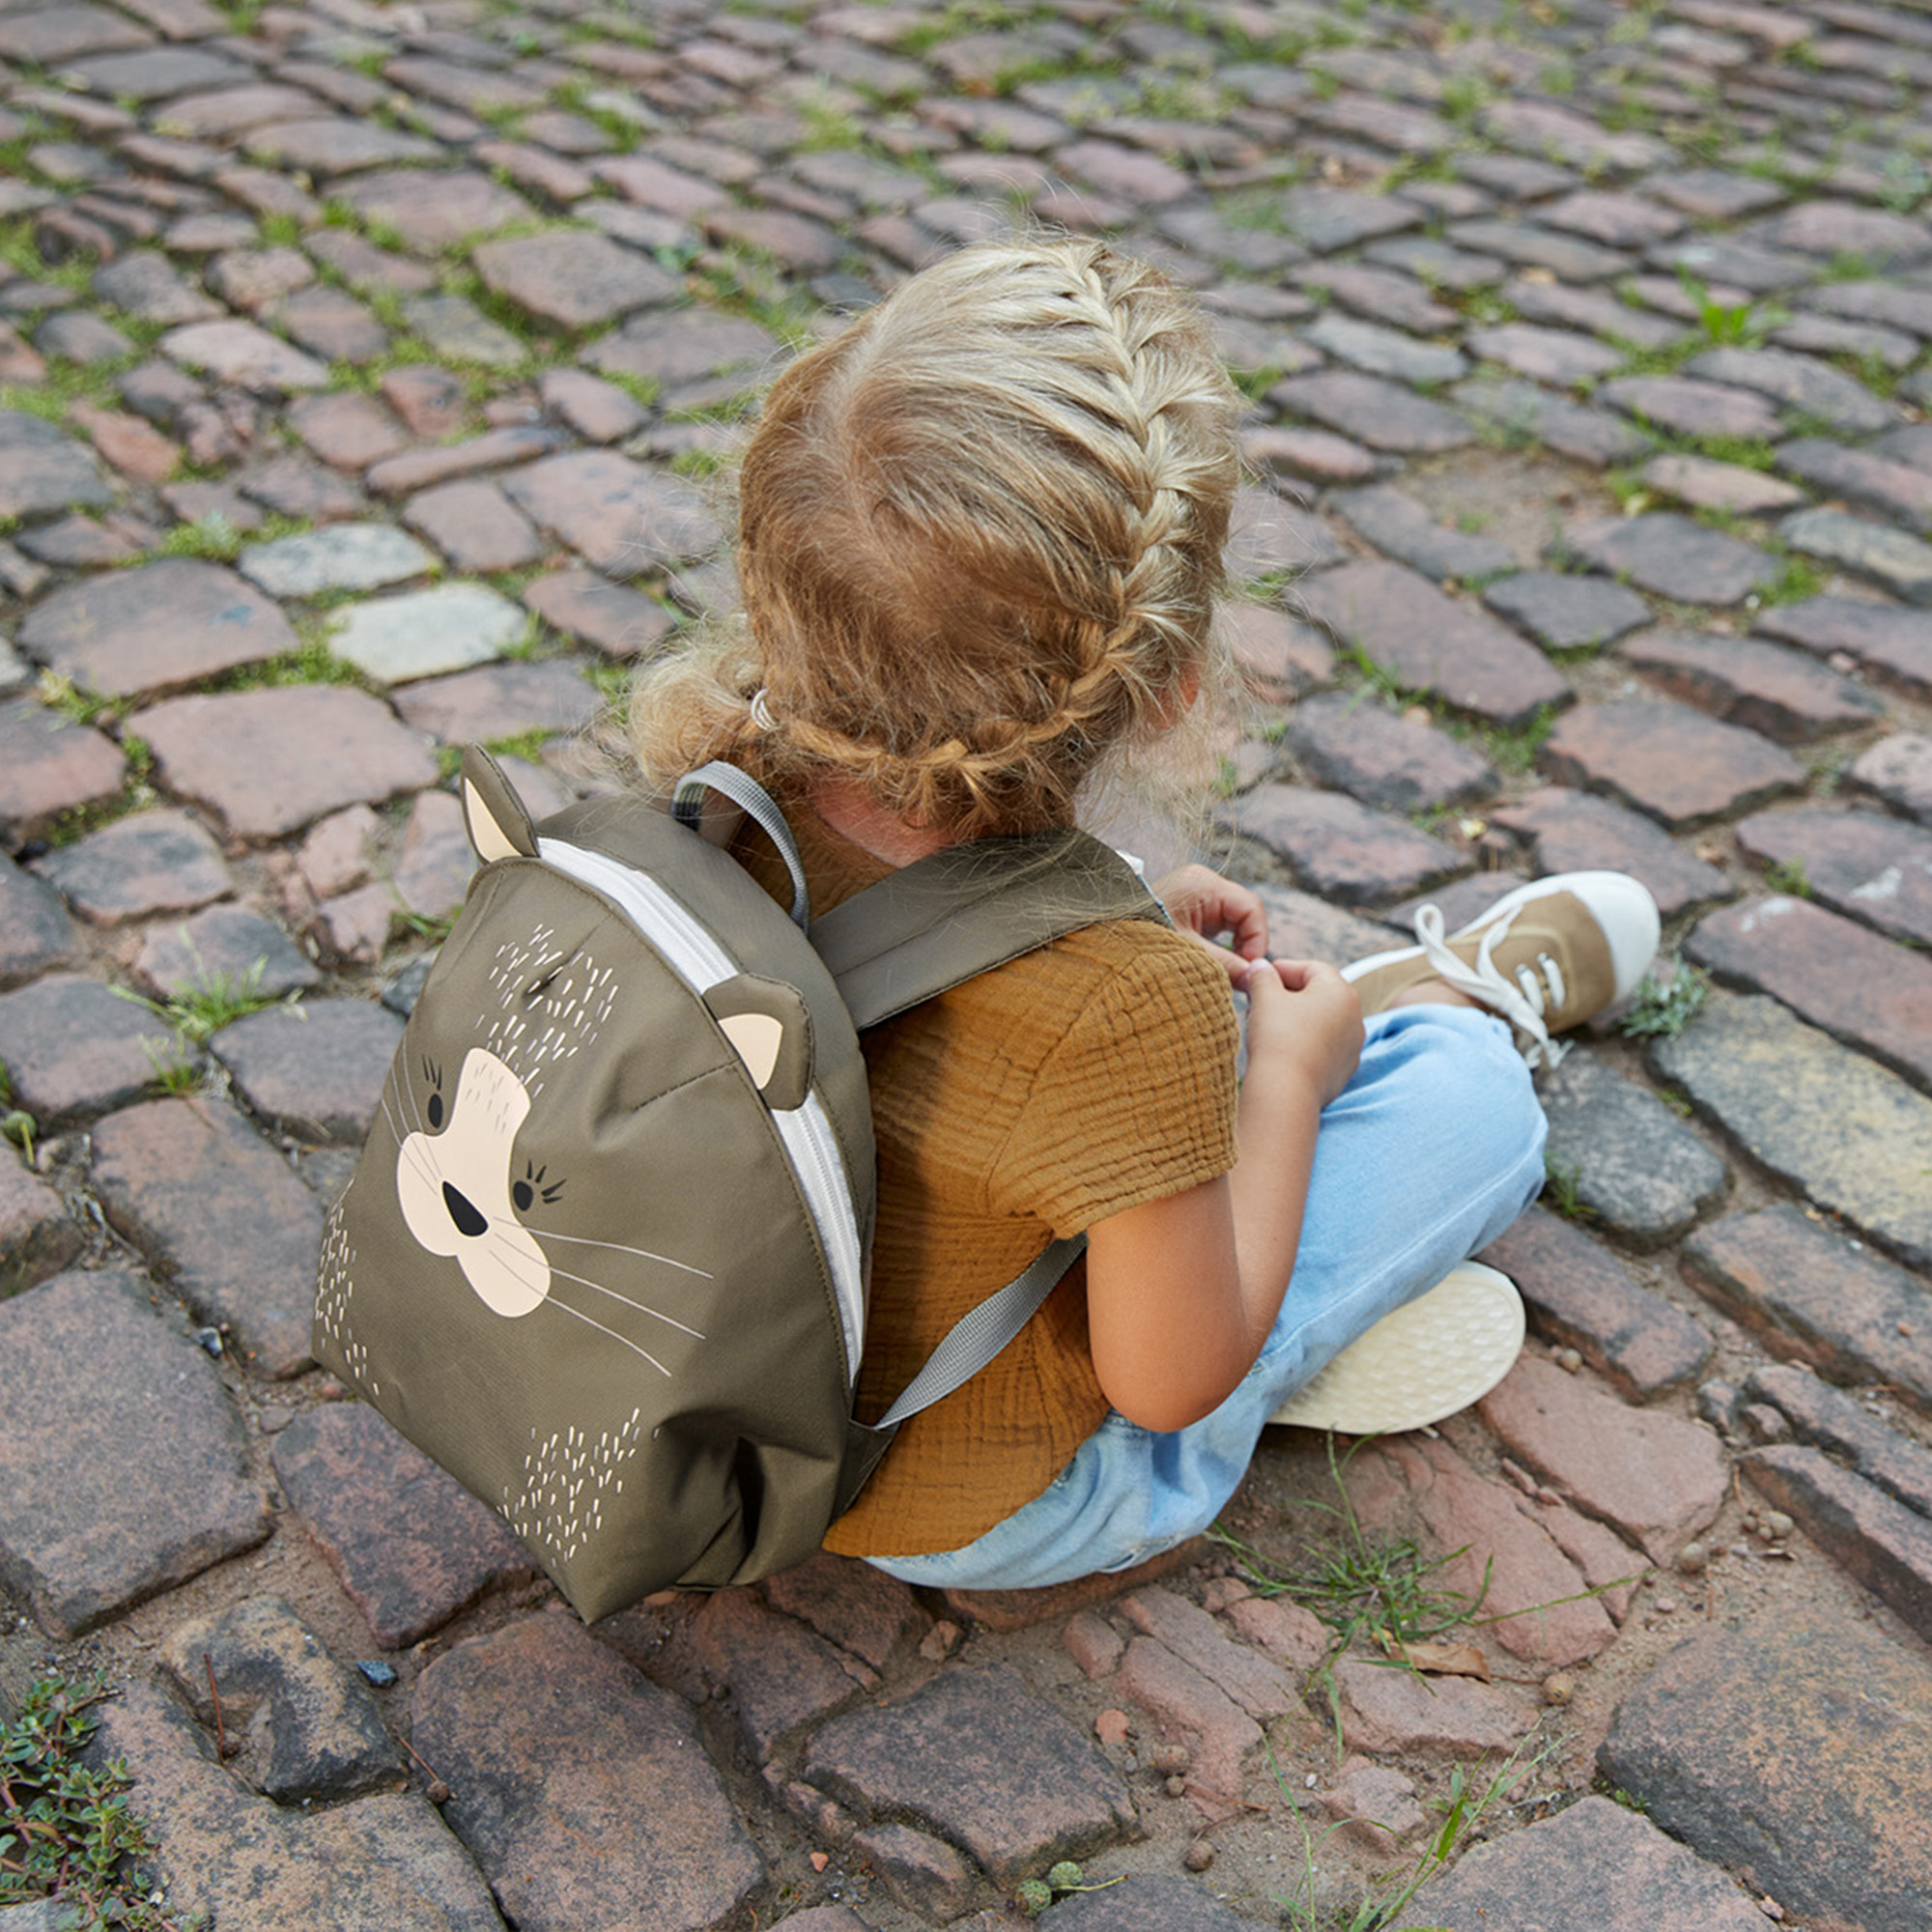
(1523, 1000)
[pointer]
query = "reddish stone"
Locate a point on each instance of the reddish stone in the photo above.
(234, 110)
(1898, 769)
(1779, 694)
(491, 701)
(678, 348)
(350, 431)
(652, 185)
(1021, 1609)
(250, 358)
(778, 1675)
(1278, 655)
(617, 515)
(49, 767)
(434, 867)
(87, 1529)
(1815, 1294)
(1867, 865)
(35, 930)
(330, 323)
(435, 210)
(1575, 832)
(224, 944)
(1689, 407)
(473, 525)
(1672, 556)
(534, 167)
(49, 37)
(431, 402)
(1189, 1706)
(580, 1787)
(137, 450)
(1381, 757)
(1295, 1637)
(422, 469)
(1496, 1548)
(1311, 453)
(1094, 1645)
(250, 278)
(151, 862)
(1655, 1478)
(206, 1198)
(804, 247)
(849, 1604)
(1708, 484)
(1385, 1710)
(328, 144)
(37, 1235)
(1581, 1295)
(1254, 1684)
(1432, 642)
(1341, 849)
(1678, 765)
(1864, 989)
(598, 411)
(409, 1547)
(270, 761)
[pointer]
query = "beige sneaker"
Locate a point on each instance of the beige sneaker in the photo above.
(1426, 1360)
(1545, 957)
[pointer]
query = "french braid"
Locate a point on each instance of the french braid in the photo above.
(979, 540)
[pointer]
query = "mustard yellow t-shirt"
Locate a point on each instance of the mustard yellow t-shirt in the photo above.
(1030, 1102)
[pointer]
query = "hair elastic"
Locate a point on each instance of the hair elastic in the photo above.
(761, 715)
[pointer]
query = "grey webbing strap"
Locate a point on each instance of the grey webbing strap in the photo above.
(758, 805)
(968, 909)
(981, 1332)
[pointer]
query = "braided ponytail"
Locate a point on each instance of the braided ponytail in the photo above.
(980, 538)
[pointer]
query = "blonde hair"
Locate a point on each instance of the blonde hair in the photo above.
(979, 542)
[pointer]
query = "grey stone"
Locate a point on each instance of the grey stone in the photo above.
(1143, 1903)
(1545, 354)
(246, 1861)
(41, 469)
(72, 1048)
(1779, 1749)
(779, 1674)
(977, 1759)
(1855, 1138)
(1672, 556)
(1522, 410)
(1327, 218)
(1638, 1169)
(1340, 849)
(1633, 1874)
(88, 1526)
(1385, 352)
(1803, 384)
(314, 1070)
(1402, 528)
(1373, 411)
(1831, 1420)
(1432, 642)
(151, 862)
(1900, 562)
(1302, 927)
(1567, 612)
(308, 1728)
(1899, 770)
(1819, 1295)
(580, 1786)
(37, 1235)
(1779, 692)
(223, 947)
(343, 556)
(35, 930)
(240, 353)
(448, 627)
(1359, 745)
(206, 1198)
(457, 330)
(1867, 865)
(1893, 641)
(1898, 491)
(619, 516)
(500, 701)
(1568, 258)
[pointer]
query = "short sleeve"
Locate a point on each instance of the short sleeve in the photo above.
(1137, 1099)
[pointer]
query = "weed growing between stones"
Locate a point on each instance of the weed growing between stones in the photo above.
(66, 1831)
(1664, 1005)
(1035, 1894)
(1561, 1180)
(1788, 876)
(17, 1126)
(212, 999)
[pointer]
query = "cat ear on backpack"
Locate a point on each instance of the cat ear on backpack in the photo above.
(492, 815)
(770, 1029)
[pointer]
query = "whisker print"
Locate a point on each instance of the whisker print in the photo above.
(642, 1307)
(507, 1255)
(616, 1247)
(615, 1337)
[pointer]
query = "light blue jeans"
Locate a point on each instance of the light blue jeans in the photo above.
(1428, 1153)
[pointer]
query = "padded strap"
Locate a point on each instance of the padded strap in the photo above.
(967, 909)
(758, 805)
(981, 1332)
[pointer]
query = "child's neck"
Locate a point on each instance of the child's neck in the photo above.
(845, 806)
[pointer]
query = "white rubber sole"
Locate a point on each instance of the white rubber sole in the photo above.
(1622, 908)
(1427, 1360)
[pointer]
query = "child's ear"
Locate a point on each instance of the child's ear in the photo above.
(770, 1029)
(492, 815)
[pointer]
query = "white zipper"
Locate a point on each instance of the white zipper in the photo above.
(805, 1133)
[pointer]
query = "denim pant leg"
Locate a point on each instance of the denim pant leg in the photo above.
(1430, 1153)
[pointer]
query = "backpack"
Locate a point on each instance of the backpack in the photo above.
(604, 1255)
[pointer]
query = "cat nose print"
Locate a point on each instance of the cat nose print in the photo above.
(467, 1220)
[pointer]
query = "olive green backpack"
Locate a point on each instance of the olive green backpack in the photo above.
(604, 1257)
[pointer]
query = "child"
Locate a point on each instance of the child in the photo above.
(980, 535)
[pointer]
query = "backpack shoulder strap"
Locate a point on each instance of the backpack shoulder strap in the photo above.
(967, 909)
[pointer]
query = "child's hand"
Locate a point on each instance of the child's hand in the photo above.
(1304, 1014)
(1203, 904)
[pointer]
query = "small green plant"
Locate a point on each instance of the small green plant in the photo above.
(78, 707)
(1788, 876)
(1035, 1894)
(17, 1124)
(1730, 324)
(1561, 1180)
(1665, 1005)
(66, 1829)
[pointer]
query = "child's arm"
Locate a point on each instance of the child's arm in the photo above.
(1182, 1291)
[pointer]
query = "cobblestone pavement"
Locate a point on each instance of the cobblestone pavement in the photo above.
(364, 365)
